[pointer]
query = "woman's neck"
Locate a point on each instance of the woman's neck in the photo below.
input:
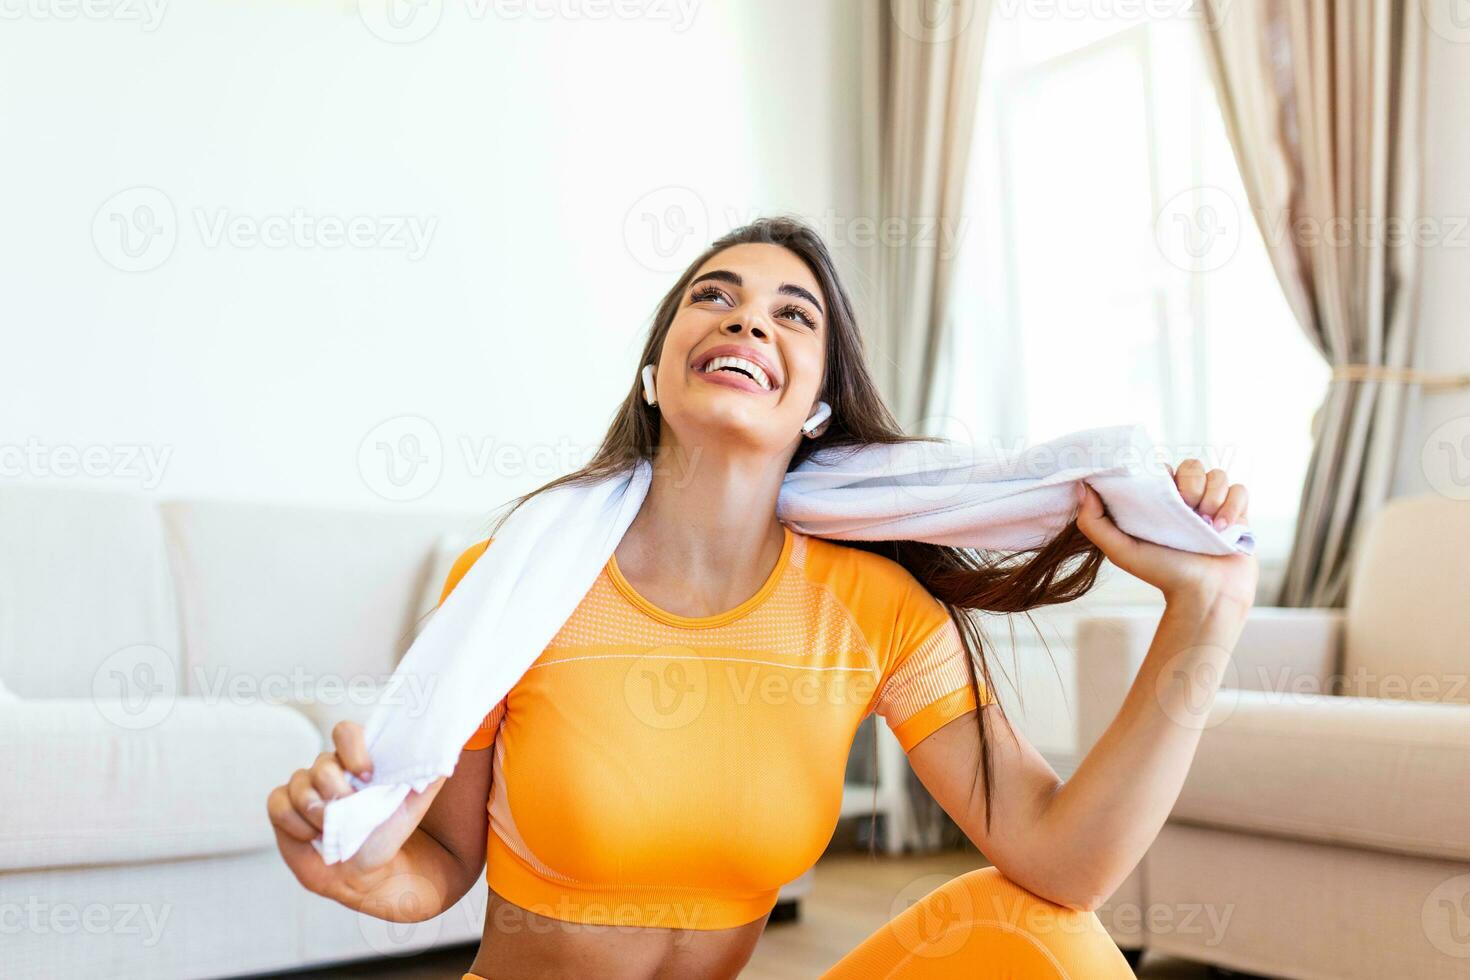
(707, 536)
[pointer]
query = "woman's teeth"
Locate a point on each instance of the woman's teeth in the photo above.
(749, 368)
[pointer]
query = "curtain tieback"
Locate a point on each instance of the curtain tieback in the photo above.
(1407, 376)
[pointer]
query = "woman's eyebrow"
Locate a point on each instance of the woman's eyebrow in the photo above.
(733, 278)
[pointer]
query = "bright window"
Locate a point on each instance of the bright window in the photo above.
(1112, 271)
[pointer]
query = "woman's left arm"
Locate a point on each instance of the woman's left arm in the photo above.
(1075, 842)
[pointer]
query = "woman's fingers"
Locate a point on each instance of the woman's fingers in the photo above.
(285, 818)
(1094, 522)
(1216, 486)
(1232, 511)
(304, 797)
(1189, 477)
(350, 741)
(327, 777)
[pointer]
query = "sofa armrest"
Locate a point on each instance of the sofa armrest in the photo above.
(1291, 650)
(1360, 772)
(95, 782)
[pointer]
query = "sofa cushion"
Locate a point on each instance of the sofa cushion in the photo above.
(1363, 772)
(280, 600)
(97, 782)
(83, 575)
(1407, 617)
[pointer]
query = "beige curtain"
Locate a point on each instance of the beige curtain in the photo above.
(921, 81)
(1323, 101)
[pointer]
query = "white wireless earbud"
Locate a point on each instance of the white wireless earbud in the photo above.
(816, 418)
(648, 393)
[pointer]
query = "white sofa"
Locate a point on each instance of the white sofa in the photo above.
(167, 664)
(1324, 828)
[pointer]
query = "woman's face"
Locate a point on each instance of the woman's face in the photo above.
(760, 305)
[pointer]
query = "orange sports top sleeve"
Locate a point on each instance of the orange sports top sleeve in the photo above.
(664, 770)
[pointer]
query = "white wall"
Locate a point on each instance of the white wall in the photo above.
(1436, 453)
(526, 148)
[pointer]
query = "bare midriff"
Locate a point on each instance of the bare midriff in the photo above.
(517, 943)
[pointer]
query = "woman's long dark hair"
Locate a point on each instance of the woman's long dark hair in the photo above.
(961, 578)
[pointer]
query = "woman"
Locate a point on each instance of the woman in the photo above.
(677, 753)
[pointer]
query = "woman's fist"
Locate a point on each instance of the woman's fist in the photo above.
(296, 809)
(1174, 572)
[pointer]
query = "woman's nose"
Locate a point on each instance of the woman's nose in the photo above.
(735, 327)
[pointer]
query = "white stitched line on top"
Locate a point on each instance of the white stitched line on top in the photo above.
(735, 660)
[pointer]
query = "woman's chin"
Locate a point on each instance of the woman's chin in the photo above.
(731, 425)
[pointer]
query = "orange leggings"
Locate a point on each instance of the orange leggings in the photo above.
(982, 925)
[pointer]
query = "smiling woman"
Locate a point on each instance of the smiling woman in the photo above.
(676, 753)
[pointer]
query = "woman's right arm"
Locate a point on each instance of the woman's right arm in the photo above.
(417, 864)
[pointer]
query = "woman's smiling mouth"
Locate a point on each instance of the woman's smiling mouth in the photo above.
(737, 366)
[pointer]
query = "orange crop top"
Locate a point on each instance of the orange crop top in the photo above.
(652, 769)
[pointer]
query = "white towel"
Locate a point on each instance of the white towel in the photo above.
(515, 598)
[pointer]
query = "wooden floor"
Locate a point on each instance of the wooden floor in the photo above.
(852, 895)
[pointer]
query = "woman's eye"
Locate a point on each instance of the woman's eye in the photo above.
(799, 314)
(708, 292)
